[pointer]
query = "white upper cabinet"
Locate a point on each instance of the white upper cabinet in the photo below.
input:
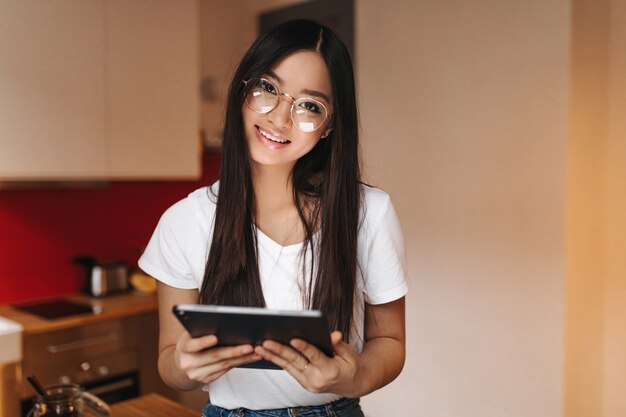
(98, 89)
(153, 88)
(52, 107)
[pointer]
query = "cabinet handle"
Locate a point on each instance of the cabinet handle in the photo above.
(82, 343)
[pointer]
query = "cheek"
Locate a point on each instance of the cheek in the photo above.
(309, 141)
(247, 116)
(249, 120)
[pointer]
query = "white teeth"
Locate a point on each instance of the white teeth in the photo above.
(272, 138)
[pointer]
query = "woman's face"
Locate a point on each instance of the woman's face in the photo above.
(272, 138)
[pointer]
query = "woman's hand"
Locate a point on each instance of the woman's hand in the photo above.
(348, 373)
(201, 361)
(315, 371)
(184, 362)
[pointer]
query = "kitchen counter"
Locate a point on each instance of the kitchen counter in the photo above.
(109, 307)
(120, 340)
(151, 405)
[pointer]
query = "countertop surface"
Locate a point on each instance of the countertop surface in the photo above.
(109, 307)
(151, 405)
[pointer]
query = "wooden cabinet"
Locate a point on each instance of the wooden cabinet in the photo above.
(98, 89)
(98, 351)
(81, 354)
(85, 347)
(108, 351)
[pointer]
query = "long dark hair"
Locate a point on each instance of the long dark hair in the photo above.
(329, 175)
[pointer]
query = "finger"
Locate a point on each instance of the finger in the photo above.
(227, 352)
(288, 353)
(312, 353)
(227, 364)
(213, 371)
(280, 349)
(190, 362)
(294, 365)
(301, 375)
(341, 348)
(199, 343)
(336, 337)
(197, 360)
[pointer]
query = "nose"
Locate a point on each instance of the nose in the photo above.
(280, 116)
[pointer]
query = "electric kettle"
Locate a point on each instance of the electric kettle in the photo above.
(103, 278)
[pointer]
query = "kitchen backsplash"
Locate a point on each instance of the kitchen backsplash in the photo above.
(42, 230)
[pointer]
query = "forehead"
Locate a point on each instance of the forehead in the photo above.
(303, 70)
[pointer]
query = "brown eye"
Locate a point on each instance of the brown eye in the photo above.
(311, 106)
(268, 87)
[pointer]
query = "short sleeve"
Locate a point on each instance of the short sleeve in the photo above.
(165, 257)
(384, 270)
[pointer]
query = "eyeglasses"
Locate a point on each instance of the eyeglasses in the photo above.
(307, 114)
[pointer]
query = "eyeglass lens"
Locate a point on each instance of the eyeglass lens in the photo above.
(307, 114)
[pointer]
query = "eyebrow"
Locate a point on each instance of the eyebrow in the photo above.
(306, 91)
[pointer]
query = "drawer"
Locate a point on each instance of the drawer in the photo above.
(62, 346)
(81, 371)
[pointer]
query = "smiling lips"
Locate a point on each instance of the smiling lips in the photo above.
(273, 137)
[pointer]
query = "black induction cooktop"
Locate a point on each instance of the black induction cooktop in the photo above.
(55, 308)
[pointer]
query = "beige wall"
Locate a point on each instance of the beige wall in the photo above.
(497, 127)
(464, 111)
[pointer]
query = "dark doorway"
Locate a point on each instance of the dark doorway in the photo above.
(336, 14)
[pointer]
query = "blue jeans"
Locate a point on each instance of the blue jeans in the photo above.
(343, 407)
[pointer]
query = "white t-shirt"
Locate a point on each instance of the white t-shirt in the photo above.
(178, 250)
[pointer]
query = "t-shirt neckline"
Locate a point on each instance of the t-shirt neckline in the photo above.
(277, 246)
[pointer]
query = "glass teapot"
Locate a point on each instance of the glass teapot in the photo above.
(68, 401)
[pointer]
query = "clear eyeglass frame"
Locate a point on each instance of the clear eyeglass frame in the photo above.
(306, 126)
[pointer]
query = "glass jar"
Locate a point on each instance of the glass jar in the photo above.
(68, 401)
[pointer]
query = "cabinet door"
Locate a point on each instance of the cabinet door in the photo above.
(52, 101)
(153, 68)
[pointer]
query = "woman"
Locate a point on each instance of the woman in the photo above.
(289, 225)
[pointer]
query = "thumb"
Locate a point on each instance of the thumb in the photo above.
(188, 344)
(341, 348)
(336, 337)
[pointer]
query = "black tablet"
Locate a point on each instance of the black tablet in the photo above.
(252, 325)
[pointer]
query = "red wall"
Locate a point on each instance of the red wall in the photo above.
(42, 230)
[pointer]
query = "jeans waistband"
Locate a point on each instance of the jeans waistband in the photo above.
(347, 407)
